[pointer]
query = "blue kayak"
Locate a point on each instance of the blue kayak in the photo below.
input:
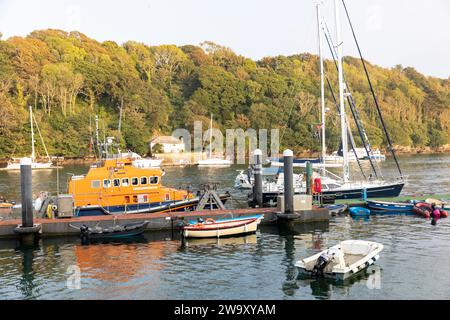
(359, 212)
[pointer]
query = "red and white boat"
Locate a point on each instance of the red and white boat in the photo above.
(425, 209)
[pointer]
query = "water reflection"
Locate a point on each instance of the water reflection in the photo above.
(219, 242)
(157, 266)
(359, 218)
(310, 235)
(325, 288)
(120, 261)
(128, 240)
(27, 283)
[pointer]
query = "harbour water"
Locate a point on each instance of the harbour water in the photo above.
(413, 265)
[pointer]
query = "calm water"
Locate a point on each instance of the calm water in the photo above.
(413, 265)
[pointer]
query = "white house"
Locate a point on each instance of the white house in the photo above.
(169, 144)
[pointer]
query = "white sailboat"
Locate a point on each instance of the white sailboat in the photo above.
(333, 185)
(213, 162)
(345, 187)
(14, 164)
(361, 153)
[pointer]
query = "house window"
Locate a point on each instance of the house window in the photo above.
(143, 180)
(95, 184)
(153, 180)
(125, 182)
(134, 181)
(106, 183)
(116, 182)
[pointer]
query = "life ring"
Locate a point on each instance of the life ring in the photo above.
(210, 220)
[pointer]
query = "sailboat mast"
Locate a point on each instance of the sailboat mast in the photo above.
(345, 167)
(33, 154)
(120, 116)
(210, 138)
(97, 138)
(322, 85)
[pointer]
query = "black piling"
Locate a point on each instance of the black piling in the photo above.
(27, 229)
(257, 173)
(309, 178)
(27, 197)
(288, 159)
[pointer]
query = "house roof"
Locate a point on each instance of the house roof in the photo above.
(166, 139)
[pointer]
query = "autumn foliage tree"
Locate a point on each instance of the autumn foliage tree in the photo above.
(70, 78)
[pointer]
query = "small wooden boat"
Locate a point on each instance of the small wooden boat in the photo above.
(359, 212)
(222, 228)
(342, 260)
(390, 207)
(336, 209)
(117, 231)
(424, 209)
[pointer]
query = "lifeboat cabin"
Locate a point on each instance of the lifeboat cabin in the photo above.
(117, 187)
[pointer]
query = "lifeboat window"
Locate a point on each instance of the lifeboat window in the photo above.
(116, 182)
(333, 186)
(95, 184)
(153, 180)
(106, 183)
(143, 180)
(125, 182)
(134, 181)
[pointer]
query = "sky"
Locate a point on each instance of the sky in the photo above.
(412, 33)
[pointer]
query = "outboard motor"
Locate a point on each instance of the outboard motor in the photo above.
(321, 263)
(324, 260)
(84, 229)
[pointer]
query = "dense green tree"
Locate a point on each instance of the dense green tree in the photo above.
(70, 78)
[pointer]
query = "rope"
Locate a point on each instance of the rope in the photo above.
(289, 115)
(373, 93)
(40, 135)
(351, 140)
(354, 111)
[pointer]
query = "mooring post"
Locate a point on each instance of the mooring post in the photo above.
(27, 229)
(364, 194)
(309, 174)
(25, 188)
(288, 160)
(257, 173)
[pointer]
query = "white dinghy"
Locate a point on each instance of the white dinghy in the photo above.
(342, 260)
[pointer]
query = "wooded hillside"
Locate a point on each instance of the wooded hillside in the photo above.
(68, 78)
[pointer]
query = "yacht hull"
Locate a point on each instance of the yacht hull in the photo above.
(34, 166)
(385, 191)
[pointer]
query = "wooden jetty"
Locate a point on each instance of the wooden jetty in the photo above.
(158, 220)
